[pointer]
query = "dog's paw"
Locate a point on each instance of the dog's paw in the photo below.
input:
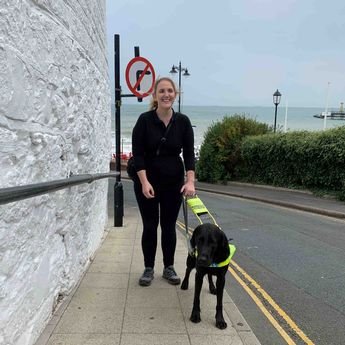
(221, 324)
(195, 317)
(184, 285)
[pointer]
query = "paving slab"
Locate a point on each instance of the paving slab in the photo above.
(158, 320)
(85, 321)
(155, 339)
(84, 339)
(105, 280)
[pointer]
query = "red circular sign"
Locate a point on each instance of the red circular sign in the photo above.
(140, 76)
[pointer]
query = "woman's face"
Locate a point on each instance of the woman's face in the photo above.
(165, 94)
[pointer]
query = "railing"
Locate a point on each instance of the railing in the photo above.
(12, 194)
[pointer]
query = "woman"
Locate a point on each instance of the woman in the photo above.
(161, 175)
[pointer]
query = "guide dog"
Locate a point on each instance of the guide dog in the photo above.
(211, 253)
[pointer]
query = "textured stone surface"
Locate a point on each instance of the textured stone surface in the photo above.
(54, 120)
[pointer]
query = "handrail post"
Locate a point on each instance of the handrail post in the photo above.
(118, 188)
(118, 204)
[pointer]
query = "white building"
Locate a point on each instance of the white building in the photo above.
(54, 120)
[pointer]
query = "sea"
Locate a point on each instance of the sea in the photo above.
(202, 117)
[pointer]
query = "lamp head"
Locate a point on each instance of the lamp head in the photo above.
(186, 73)
(276, 97)
(173, 69)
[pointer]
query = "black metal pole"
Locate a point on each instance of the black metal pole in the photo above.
(275, 118)
(118, 188)
(136, 54)
(179, 87)
(117, 103)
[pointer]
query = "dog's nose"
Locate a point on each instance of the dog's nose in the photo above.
(202, 260)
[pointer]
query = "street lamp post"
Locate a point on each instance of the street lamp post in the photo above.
(276, 101)
(179, 69)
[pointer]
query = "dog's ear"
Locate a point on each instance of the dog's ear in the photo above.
(194, 236)
(192, 241)
(222, 241)
(223, 247)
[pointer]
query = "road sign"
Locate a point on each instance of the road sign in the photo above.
(140, 76)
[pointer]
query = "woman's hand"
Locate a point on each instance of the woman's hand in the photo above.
(188, 189)
(147, 190)
(146, 186)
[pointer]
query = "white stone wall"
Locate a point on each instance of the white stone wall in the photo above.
(54, 120)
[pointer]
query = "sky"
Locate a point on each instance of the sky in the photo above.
(237, 52)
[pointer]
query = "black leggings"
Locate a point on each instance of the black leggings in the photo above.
(164, 207)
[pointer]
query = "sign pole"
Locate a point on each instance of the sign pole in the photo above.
(136, 54)
(141, 86)
(118, 187)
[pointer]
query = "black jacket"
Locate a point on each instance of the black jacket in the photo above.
(167, 168)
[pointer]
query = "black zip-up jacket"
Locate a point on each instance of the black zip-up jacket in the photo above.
(167, 168)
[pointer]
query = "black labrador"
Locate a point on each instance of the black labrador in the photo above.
(212, 248)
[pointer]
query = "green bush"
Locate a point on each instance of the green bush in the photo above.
(303, 159)
(240, 148)
(220, 152)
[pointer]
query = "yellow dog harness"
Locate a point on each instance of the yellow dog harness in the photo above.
(232, 250)
(200, 210)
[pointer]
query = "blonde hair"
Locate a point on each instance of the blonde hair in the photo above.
(153, 102)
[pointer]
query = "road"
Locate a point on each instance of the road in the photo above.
(296, 257)
(293, 262)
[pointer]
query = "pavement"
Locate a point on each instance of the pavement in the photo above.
(302, 200)
(108, 307)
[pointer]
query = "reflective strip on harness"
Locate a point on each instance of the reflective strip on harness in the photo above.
(232, 250)
(197, 206)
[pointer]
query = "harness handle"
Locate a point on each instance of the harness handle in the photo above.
(199, 209)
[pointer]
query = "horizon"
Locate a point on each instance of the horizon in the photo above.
(236, 106)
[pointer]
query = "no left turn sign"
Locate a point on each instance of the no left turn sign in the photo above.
(140, 76)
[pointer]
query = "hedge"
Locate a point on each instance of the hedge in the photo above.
(240, 148)
(303, 159)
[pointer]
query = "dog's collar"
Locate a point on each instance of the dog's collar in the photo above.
(232, 250)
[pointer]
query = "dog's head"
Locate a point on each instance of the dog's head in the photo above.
(211, 244)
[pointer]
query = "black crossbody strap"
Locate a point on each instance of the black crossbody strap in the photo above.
(164, 137)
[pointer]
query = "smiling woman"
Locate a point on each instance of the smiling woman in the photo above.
(158, 139)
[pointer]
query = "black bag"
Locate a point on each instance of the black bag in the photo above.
(131, 169)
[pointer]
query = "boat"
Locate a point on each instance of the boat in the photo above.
(333, 115)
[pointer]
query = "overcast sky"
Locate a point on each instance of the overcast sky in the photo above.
(237, 52)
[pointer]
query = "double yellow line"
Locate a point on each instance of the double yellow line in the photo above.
(266, 297)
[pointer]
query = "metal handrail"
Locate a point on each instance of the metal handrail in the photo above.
(12, 194)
